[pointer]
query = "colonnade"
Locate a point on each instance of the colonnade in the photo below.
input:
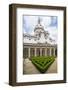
(51, 51)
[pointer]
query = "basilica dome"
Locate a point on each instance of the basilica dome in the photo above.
(39, 26)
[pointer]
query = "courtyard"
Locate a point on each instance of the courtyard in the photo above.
(30, 68)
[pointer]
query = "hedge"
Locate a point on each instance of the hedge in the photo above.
(42, 63)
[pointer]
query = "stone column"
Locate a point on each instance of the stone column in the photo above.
(29, 52)
(50, 52)
(45, 51)
(54, 51)
(40, 51)
(35, 51)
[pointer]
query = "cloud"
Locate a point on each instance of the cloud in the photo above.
(46, 21)
(29, 23)
(53, 21)
(49, 23)
(53, 31)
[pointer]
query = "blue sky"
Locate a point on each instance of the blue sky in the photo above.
(50, 24)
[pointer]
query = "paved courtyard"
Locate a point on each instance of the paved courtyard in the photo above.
(29, 67)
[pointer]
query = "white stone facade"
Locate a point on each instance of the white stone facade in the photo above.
(40, 44)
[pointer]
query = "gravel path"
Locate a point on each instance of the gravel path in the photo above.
(53, 67)
(29, 68)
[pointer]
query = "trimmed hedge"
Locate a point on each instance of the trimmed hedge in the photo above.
(42, 63)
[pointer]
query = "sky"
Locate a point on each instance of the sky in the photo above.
(50, 24)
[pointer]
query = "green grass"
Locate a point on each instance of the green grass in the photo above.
(42, 62)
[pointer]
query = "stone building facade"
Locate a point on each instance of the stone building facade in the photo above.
(39, 44)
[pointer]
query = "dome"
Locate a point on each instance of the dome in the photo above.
(39, 26)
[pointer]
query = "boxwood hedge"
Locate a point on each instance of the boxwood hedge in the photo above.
(43, 62)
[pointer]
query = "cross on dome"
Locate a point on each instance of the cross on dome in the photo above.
(39, 20)
(39, 27)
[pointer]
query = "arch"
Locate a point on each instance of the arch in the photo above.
(38, 51)
(56, 52)
(48, 51)
(32, 52)
(25, 52)
(43, 51)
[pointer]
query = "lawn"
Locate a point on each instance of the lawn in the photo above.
(43, 62)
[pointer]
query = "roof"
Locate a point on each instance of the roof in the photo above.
(40, 44)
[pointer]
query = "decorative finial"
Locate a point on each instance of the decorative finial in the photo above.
(39, 20)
